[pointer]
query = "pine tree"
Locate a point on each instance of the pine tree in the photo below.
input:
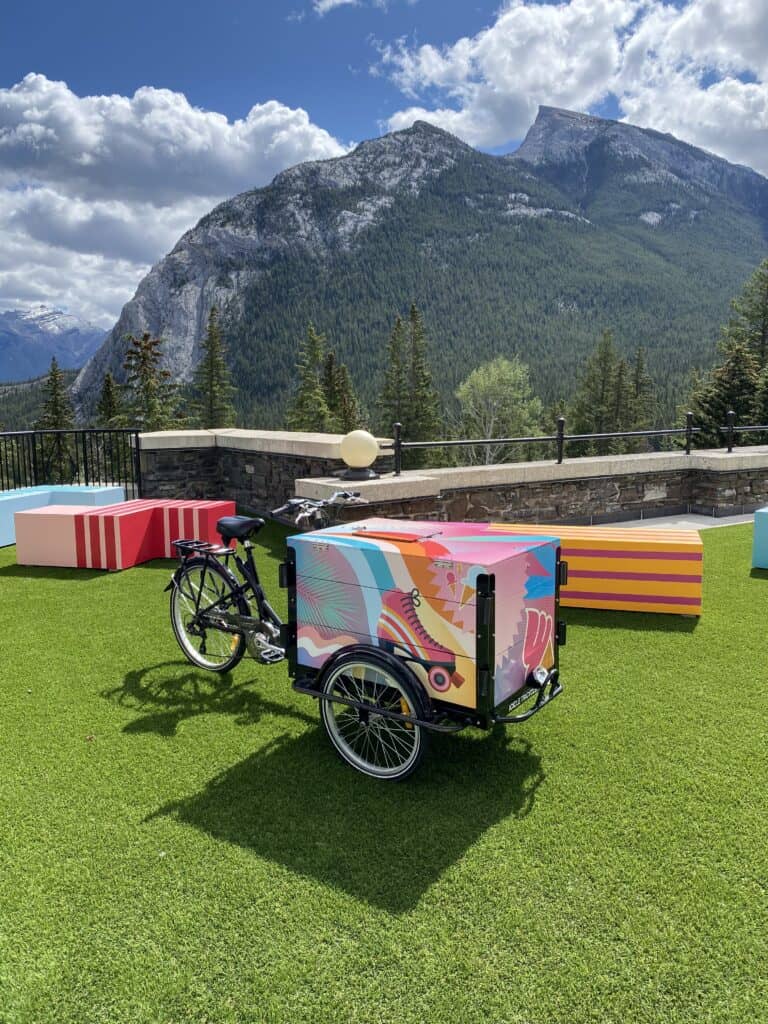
(151, 396)
(594, 405)
(731, 385)
(394, 394)
(55, 455)
(760, 406)
(421, 417)
(309, 407)
(109, 408)
(340, 396)
(212, 384)
(57, 411)
(749, 321)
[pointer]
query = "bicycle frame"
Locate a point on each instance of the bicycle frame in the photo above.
(251, 587)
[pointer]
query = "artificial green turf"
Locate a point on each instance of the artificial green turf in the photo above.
(178, 847)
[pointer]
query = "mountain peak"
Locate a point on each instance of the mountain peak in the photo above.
(562, 138)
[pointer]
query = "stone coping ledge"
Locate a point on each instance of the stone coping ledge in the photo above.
(427, 482)
(276, 442)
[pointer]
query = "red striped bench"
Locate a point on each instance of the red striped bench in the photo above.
(113, 536)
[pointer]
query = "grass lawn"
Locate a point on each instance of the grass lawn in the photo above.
(177, 847)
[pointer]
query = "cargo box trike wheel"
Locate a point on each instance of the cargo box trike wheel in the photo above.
(382, 747)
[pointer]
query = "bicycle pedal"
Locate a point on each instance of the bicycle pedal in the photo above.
(271, 657)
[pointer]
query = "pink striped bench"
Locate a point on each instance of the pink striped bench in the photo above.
(113, 536)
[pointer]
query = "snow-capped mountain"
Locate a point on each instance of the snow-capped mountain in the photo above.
(29, 338)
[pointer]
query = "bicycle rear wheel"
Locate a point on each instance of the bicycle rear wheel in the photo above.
(199, 585)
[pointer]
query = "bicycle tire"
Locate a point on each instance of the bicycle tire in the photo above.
(216, 581)
(379, 747)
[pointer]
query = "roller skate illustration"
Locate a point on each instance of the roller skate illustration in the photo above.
(400, 631)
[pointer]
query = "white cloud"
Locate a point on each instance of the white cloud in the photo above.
(94, 189)
(699, 70)
(323, 6)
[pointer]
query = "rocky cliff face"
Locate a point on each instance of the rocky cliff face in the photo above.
(311, 210)
(591, 223)
(571, 149)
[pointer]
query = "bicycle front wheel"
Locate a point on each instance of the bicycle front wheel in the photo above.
(202, 591)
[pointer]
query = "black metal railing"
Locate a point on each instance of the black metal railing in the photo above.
(560, 439)
(29, 458)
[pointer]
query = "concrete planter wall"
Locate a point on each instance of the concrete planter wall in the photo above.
(261, 469)
(589, 490)
(256, 468)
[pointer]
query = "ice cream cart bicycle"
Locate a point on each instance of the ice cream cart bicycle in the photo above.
(397, 628)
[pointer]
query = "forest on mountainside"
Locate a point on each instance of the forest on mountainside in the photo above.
(542, 288)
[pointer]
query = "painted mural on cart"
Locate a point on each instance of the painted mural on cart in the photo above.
(411, 589)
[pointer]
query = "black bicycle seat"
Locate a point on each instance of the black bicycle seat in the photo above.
(238, 527)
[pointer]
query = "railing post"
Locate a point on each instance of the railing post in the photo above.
(85, 457)
(33, 440)
(137, 463)
(688, 432)
(730, 419)
(398, 448)
(560, 438)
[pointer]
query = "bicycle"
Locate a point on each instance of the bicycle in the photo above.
(210, 607)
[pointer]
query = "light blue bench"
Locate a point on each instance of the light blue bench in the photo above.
(55, 494)
(760, 540)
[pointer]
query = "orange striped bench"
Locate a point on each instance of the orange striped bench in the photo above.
(113, 536)
(639, 570)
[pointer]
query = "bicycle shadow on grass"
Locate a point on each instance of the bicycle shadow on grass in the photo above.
(172, 692)
(296, 804)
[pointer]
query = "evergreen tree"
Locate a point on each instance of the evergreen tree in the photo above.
(57, 411)
(394, 394)
(340, 396)
(496, 400)
(309, 407)
(151, 396)
(423, 421)
(749, 321)
(212, 384)
(760, 406)
(55, 456)
(594, 405)
(731, 385)
(642, 402)
(109, 408)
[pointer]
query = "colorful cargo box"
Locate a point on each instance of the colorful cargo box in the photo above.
(470, 611)
(638, 570)
(113, 536)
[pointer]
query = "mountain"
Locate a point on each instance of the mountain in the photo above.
(590, 224)
(29, 338)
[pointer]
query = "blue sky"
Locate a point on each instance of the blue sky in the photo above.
(228, 56)
(121, 125)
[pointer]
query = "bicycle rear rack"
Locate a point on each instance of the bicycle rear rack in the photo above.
(185, 548)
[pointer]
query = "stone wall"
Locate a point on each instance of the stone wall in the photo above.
(257, 469)
(580, 491)
(261, 469)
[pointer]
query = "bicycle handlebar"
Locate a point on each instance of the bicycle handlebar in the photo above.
(302, 508)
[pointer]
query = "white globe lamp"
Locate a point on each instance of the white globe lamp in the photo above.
(359, 450)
